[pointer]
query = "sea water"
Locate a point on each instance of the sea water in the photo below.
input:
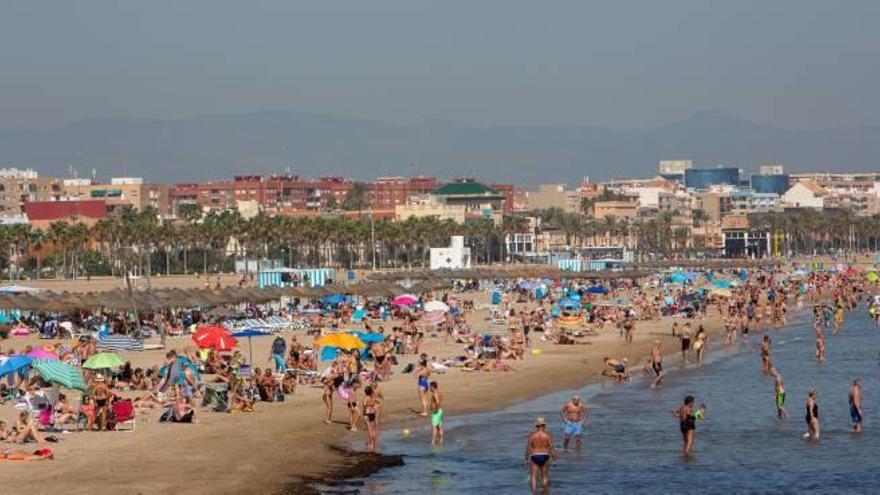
(632, 442)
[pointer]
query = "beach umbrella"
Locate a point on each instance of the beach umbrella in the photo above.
(436, 306)
(117, 342)
(405, 300)
(873, 277)
(103, 360)
(40, 353)
(250, 333)
(369, 337)
(333, 299)
(597, 289)
(61, 373)
(216, 338)
(568, 303)
(15, 363)
(329, 353)
(20, 331)
(434, 317)
(342, 340)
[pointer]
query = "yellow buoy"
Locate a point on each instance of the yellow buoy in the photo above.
(406, 432)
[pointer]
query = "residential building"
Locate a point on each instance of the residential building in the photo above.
(121, 192)
(18, 186)
(552, 196)
(616, 209)
(746, 202)
(742, 241)
(422, 206)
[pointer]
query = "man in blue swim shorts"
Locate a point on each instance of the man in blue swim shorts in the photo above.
(574, 417)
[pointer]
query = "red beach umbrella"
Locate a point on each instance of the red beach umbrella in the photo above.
(216, 338)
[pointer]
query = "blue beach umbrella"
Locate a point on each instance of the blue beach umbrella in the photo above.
(369, 337)
(14, 364)
(597, 289)
(249, 333)
(333, 299)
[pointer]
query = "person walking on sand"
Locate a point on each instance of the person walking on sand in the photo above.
(539, 452)
(574, 417)
(436, 415)
(855, 405)
(657, 364)
(812, 416)
(687, 422)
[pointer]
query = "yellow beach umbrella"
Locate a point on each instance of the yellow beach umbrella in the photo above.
(341, 340)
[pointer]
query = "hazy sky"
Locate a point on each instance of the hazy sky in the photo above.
(799, 64)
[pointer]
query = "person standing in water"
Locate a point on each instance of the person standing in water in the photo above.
(687, 422)
(423, 372)
(765, 355)
(700, 341)
(539, 452)
(812, 416)
(855, 405)
(436, 415)
(574, 416)
(781, 413)
(371, 418)
(657, 364)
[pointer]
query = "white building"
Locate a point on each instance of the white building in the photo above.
(805, 194)
(454, 257)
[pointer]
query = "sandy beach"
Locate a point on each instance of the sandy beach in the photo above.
(283, 444)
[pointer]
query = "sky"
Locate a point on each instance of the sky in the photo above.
(622, 64)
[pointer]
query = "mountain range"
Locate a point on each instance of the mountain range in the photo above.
(277, 141)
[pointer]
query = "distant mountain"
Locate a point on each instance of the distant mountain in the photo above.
(310, 145)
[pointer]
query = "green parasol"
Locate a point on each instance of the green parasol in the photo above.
(61, 373)
(103, 360)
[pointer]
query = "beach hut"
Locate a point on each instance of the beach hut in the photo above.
(283, 277)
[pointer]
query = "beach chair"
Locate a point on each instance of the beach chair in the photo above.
(122, 414)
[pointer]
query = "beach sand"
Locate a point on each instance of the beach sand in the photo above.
(284, 443)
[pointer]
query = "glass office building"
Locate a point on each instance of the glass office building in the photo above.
(704, 178)
(777, 184)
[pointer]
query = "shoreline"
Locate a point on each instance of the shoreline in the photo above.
(356, 474)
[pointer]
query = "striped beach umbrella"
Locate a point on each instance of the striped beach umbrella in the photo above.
(61, 373)
(116, 343)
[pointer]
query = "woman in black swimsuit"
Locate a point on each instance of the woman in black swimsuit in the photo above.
(371, 411)
(812, 416)
(687, 417)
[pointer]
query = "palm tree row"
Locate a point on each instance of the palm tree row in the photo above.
(138, 242)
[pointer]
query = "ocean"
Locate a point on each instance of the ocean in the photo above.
(632, 441)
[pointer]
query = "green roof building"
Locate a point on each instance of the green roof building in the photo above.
(474, 196)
